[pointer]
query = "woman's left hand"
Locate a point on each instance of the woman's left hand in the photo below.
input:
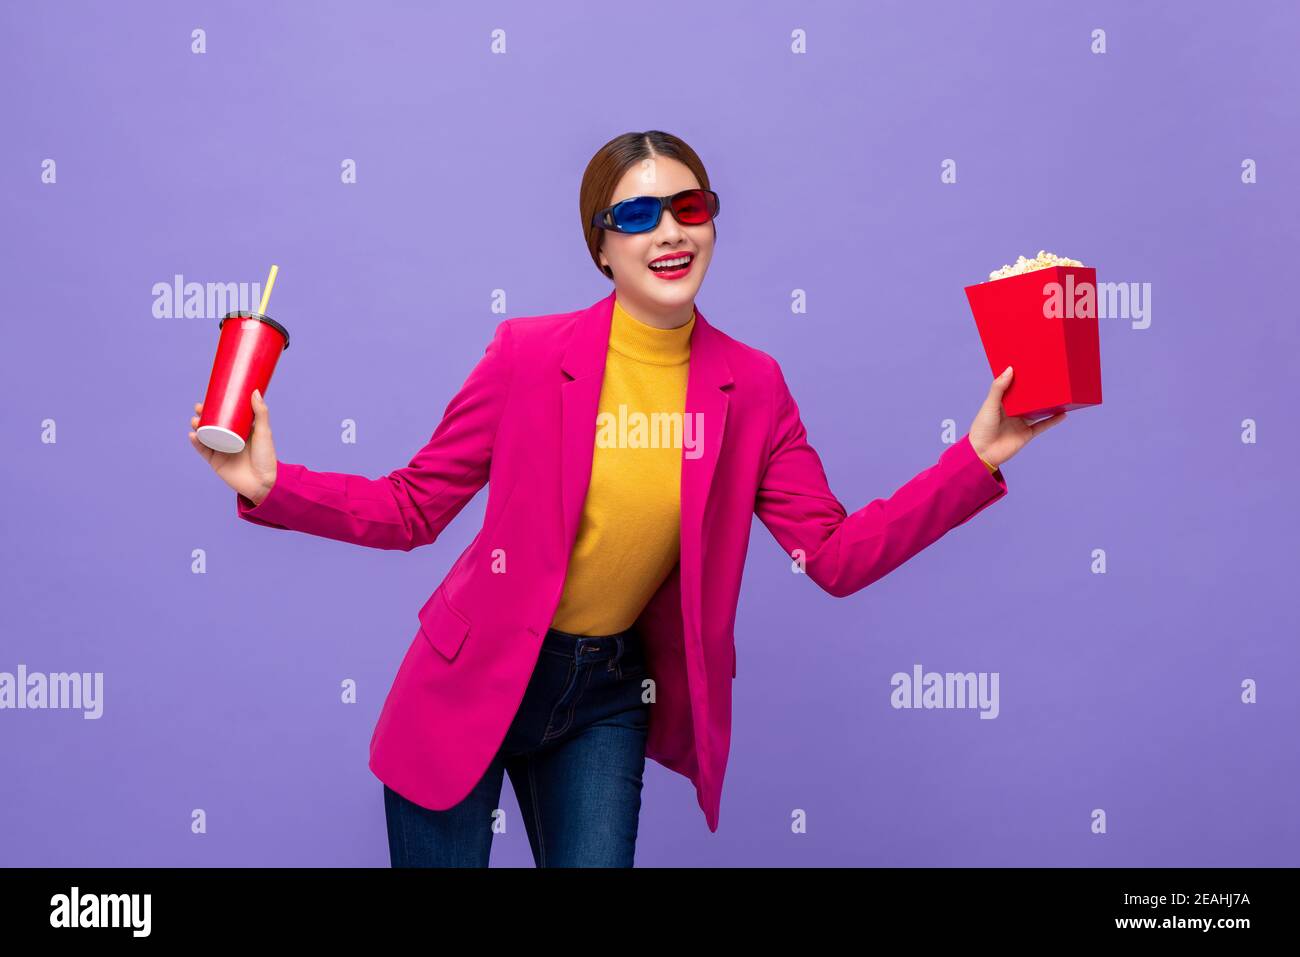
(994, 435)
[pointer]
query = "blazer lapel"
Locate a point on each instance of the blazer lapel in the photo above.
(707, 401)
(584, 362)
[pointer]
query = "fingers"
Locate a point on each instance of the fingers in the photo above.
(199, 447)
(1001, 383)
(1043, 425)
(261, 413)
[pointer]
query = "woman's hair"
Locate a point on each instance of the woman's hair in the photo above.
(609, 165)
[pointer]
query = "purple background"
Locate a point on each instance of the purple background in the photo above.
(1118, 691)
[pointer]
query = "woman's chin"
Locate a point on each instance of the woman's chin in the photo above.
(670, 294)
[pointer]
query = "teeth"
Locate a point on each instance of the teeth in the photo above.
(670, 263)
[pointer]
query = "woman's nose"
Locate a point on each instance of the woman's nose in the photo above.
(669, 231)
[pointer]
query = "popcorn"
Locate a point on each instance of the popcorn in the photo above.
(1044, 260)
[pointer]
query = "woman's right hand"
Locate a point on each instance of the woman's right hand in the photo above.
(251, 472)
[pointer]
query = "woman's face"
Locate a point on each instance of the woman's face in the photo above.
(629, 254)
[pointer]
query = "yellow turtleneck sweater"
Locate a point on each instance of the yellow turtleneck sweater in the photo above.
(629, 537)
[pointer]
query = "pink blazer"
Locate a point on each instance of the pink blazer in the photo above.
(524, 423)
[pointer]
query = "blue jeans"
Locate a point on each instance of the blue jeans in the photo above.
(575, 752)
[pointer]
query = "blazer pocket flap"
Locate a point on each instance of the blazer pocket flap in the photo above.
(443, 626)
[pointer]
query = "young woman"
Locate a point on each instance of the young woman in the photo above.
(626, 447)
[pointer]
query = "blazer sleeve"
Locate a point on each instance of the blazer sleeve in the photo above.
(411, 506)
(844, 553)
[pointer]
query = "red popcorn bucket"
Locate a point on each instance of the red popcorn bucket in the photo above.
(247, 351)
(1043, 323)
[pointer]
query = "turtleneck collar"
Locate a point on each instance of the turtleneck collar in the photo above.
(646, 343)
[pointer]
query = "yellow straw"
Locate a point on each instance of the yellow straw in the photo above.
(266, 293)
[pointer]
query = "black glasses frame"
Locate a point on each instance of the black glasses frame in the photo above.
(607, 218)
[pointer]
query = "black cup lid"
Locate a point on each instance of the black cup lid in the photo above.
(257, 315)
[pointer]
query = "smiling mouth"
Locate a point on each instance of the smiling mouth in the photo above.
(675, 264)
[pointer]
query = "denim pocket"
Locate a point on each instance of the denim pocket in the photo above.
(631, 664)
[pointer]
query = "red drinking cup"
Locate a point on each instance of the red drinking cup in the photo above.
(1044, 323)
(247, 351)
